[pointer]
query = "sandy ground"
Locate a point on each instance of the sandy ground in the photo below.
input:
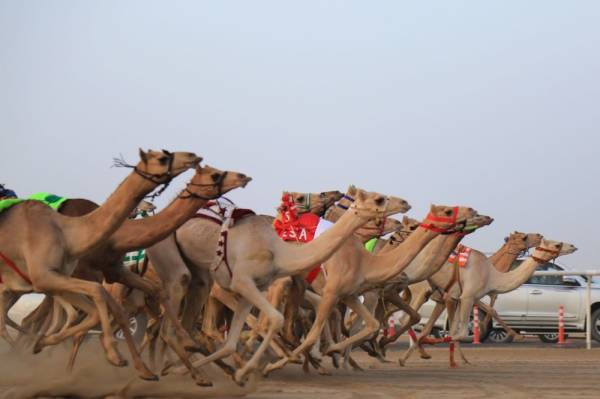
(520, 370)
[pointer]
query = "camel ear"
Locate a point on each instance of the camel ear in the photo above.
(432, 208)
(360, 195)
(405, 220)
(505, 239)
(351, 190)
(143, 156)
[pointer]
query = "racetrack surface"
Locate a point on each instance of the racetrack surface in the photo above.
(520, 370)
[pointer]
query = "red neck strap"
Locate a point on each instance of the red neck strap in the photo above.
(444, 219)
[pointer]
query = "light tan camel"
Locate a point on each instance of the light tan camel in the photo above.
(257, 256)
(280, 288)
(208, 183)
(180, 281)
(353, 270)
(40, 247)
(426, 263)
(479, 278)
(419, 293)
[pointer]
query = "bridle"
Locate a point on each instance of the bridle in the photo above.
(156, 178)
(190, 194)
(555, 252)
(443, 219)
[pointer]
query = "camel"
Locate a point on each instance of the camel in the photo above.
(257, 256)
(515, 244)
(179, 281)
(479, 278)
(40, 247)
(353, 270)
(419, 293)
(208, 183)
(427, 262)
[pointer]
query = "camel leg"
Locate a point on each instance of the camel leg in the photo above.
(50, 281)
(149, 288)
(247, 289)
(423, 337)
(491, 313)
(7, 299)
(371, 325)
(414, 318)
(328, 301)
(242, 310)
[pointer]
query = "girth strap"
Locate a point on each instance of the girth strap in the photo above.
(15, 268)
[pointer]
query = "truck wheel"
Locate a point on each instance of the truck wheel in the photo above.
(137, 328)
(596, 325)
(550, 338)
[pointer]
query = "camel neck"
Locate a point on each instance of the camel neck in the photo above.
(296, 259)
(504, 257)
(85, 232)
(505, 282)
(380, 268)
(143, 233)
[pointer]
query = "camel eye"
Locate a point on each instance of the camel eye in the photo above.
(379, 201)
(300, 198)
(163, 160)
(524, 238)
(557, 245)
(449, 212)
(215, 177)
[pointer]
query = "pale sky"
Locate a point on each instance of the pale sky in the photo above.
(494, 106)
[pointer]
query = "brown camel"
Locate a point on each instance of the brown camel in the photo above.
(479, 278)
(257, 256)
(208, 183)
(353, 270)
(40, 247)
(514, 245)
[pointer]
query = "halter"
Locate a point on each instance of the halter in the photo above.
(155, 178)
(444, 219)
(556, 253)
(218, 184)
(344, 207)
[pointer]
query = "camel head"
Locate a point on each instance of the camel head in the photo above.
(533, 240)
(475, 222)
(374, 205)
(378, 227)
(408, 225)
(549, 249)
(445, 219)
(316, 203)
(162, 166)
(143, 209)
(211, 183)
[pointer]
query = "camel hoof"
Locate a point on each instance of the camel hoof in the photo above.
(453, 365)
(38, 345)
(118, 362)
(323, 372)
(201, 382)
(425, 356)
(167, 368)
(149, 377)
(401, 363)
(238, 378)
(518, 338)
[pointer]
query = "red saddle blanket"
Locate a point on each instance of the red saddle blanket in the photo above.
(298, 228)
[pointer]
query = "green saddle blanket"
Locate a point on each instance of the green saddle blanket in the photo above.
(53, 201)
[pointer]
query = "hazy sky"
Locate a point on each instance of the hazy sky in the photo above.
(495, 106)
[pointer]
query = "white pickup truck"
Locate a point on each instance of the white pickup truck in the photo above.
(533, 307)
